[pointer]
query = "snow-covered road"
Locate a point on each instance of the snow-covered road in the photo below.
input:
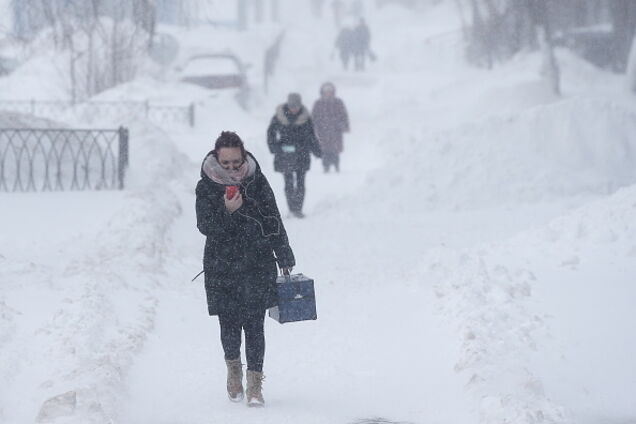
(380, 242)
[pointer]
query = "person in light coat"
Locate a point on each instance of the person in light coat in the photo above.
(331, 120)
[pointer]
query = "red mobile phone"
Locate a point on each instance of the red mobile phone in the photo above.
(230, 191)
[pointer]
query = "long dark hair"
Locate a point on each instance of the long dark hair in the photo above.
(229, 139)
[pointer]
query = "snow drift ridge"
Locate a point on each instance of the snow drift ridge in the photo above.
(570, 148)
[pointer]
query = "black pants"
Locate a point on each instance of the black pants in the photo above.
(295, 190)
(253, 325)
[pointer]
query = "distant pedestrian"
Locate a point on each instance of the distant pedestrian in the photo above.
(331, 121)
(344, 45)
(357, 8)
(316, 8)
(291, 138)
(245, 237)
(360, 45)
(338, 9)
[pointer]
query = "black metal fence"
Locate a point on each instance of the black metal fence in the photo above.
(56, 109)
(62, 159)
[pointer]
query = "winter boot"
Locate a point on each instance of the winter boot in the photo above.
(255, 388)
(234, 379)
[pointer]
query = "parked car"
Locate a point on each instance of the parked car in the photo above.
(215, 71)
(218, 71)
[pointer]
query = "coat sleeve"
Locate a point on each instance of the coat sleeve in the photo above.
(272, 141)
(213, 219)
(315, 112)
(278, 240)
(344, 117)
(312, 140)
(315, 117)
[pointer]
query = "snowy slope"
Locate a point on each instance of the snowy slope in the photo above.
(77, 298)
(547, 315)
(542, 154)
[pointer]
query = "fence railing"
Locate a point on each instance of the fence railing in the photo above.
(62, 159)
(55, 109)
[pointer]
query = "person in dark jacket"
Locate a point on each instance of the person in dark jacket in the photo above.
(330, 120)
(245, 238)
(344, 45)
(360, 45)
(291, 138)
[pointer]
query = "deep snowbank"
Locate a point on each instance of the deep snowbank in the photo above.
(115, 308)
(572, 148)
(487, 303)
(92, 313)
(536, 311)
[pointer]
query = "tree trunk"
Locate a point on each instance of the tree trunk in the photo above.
(72, 69)
(460, 10)
(480, 37)
(115, 57)
(623, 14)
(550, 68)
(631, 67)
(90, 66)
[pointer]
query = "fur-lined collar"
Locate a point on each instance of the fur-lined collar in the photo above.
(303, 115)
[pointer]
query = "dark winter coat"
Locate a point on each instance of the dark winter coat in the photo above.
(361, 39)
(241, 249)
(330, 121)
(345, 41)
(291, 139)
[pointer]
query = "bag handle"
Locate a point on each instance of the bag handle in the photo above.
(285, 273)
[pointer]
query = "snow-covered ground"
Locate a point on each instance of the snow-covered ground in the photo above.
(474, 260)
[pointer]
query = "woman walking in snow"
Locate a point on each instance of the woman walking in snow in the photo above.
(291, 138)
(245, 238)
(330, 121)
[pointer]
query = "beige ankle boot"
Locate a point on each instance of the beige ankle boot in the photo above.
(234, 379)
(255, 388)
